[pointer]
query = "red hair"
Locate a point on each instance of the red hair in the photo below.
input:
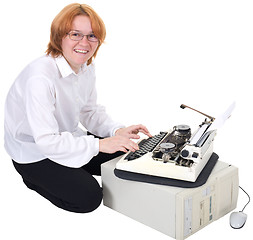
(62, 24)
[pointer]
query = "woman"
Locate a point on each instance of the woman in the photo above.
(44, 107)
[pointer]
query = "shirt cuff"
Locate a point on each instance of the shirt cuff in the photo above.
(96, 146)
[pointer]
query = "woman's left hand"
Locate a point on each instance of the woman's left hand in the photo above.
(131, 132)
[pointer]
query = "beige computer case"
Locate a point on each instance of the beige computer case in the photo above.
(176, 212)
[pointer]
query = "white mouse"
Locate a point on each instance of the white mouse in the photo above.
(237, 219)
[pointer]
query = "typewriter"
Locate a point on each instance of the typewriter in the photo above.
(177, 153)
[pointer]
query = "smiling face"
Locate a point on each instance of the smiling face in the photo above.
(79, 52)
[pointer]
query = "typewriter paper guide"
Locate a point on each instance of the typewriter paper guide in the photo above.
(194, 154)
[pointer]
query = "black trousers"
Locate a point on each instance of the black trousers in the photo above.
(72, 189)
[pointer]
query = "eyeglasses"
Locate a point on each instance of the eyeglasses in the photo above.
(78, 36)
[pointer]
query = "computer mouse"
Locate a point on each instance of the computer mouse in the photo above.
(237, 219)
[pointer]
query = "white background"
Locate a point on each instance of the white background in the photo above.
(158, 55)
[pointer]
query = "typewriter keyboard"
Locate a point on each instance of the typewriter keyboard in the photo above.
(145, 146)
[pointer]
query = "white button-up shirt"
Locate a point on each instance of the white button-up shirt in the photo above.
(43, 109)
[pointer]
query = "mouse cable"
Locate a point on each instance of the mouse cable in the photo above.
(248, 197)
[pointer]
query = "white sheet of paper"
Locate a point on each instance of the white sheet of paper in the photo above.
(198, 134)
(219, 121)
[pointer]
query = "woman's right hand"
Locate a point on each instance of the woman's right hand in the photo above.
(117, 143)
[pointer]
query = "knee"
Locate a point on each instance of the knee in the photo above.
(89, 201)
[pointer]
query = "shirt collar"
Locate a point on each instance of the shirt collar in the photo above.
(65, 68)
